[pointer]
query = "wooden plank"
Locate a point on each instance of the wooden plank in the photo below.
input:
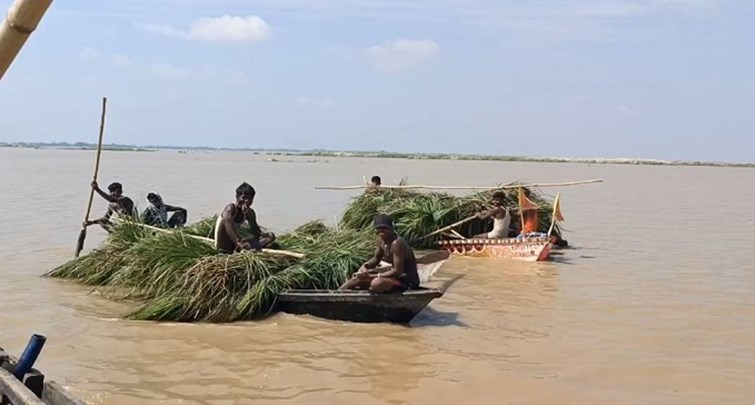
(16, 391)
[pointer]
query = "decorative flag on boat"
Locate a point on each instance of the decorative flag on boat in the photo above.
(528, 213)
(557, 216)
(524, 202)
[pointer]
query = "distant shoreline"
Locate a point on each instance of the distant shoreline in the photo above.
(381, 154)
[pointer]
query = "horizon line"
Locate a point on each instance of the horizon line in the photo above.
(393, 154)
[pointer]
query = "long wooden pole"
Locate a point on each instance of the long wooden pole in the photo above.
(83, 232)
(212, 242)
(506, 187)
(445, 228)
(22, 19)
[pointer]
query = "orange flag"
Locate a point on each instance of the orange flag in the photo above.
(524, 203)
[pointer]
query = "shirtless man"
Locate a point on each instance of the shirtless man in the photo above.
(119, 204)
(227, 236)
(400, 276)
(501, 218)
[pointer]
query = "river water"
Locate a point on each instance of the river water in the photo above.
(654, 304)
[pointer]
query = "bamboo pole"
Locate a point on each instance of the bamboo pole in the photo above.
(212, 242)
(445, 228)
(83, 232)
(501, 187)
(22, 19)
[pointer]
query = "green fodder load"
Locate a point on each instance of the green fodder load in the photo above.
(175, 276)
(416, 214)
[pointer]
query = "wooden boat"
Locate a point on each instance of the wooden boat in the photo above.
(32, 388)
(364, 306)
(357, 305)
(534, 249)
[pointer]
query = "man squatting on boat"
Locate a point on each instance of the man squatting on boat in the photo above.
(402, 273)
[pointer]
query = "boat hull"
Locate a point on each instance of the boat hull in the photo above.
(524, 249)
(357, 305)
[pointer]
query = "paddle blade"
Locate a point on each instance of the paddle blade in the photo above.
(80, 242)
(425, 271)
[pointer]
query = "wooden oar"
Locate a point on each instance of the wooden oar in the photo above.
(83, 232)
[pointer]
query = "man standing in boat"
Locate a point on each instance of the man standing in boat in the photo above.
(119, 204)
(228, 239)
(156, 213)
(501, 218)
(401, 275)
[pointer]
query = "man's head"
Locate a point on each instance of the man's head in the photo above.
(155, 199)
(384, 226)
(116, 189)
(245, 195)
(498, 198)
(376, 180)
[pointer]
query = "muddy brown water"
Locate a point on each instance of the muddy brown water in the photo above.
(654, 304)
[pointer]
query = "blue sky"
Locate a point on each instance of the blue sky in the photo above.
(669, 79)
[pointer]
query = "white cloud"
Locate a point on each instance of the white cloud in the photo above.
(401, 54)
(88, 53)
(119, 60)
(169, 71)
(319, 102)
(225, 28)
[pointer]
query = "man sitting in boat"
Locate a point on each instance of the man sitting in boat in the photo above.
(228, 239)
(501, 218)
(401, 275)
(156, 213)
(375, 181)
(119, 205)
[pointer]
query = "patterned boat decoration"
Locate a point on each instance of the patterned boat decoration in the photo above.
(534, 249)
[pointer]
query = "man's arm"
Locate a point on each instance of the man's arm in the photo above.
(170, 208)
(375, 260)
(102, 220)
(102, 193)
(486, 214)
(251, 218)
(399, 253)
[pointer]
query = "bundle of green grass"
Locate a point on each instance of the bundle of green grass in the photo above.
(175, 276)
(417, 214)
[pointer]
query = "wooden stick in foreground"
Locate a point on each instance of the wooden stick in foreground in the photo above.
(506, 187)
(22, 19)
(212, 242)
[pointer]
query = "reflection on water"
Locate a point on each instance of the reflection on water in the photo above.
(653, 304)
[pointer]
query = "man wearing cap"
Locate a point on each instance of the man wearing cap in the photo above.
(156, 213)
(401, 275)
(119, 204)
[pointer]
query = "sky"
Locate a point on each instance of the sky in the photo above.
(666, 79)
